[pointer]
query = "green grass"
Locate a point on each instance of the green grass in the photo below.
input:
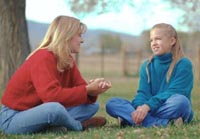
(126, 87)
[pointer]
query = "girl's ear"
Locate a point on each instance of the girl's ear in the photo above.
(173, 41)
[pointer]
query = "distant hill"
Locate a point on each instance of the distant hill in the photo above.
(37, 31)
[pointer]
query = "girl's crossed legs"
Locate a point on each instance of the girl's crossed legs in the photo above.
(176, 106)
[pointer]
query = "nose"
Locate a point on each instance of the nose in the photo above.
(153, 43)
(82, 40)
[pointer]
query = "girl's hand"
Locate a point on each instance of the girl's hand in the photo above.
(140, 113)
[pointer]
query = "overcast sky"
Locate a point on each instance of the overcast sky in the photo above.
(129, 20)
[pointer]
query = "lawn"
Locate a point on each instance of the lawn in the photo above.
(122, 87)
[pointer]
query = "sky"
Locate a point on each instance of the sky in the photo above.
(130, 20)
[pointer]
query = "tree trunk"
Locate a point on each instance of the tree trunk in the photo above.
(14, 42)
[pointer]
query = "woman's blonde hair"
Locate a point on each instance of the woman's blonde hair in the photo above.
(60, 31)
(177, 51)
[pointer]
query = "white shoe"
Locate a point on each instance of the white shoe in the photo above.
(178, 122)
(119, 121)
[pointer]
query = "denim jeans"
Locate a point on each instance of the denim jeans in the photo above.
(47, 114)
(174, 107)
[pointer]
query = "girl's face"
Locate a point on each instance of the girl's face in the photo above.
(160, 41)
(75, 42)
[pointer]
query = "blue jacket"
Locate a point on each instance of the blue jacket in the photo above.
(158, 90)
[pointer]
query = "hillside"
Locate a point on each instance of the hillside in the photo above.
(91, 37)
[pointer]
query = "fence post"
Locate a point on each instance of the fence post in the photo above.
(198, 65)
(139, 60)
(124, 60)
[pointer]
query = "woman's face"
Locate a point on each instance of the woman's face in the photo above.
(160, 42)
(75, 42)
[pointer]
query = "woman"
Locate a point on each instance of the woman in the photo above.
(166, 82)
(48, 90)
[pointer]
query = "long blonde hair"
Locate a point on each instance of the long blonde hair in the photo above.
(177, 51)
(60, 31)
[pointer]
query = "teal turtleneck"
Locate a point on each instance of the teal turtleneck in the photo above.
(158, 90)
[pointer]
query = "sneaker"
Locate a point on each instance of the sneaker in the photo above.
(93, 122)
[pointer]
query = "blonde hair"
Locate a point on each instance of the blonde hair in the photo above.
(177, 51)
(60, 31)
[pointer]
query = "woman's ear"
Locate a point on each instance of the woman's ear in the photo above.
(173, 41)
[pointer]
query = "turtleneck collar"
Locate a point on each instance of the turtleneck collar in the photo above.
(165, 58)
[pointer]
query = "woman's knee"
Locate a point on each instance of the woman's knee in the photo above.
(94, 107)
(53, 107)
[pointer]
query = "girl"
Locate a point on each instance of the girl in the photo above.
(48, 89)
(166, 82)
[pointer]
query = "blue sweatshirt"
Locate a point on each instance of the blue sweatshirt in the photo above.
(158, 90)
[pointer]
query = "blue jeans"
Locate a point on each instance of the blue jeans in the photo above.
(47, 114)
(174, 107)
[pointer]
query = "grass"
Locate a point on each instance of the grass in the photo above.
(123, 87)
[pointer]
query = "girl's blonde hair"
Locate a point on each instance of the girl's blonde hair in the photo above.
(60, 31)
(177, 51)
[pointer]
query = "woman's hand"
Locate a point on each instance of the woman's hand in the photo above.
(140, 113)
(97, 86)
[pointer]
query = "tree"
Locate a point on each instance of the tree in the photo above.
(82, 7)
(110, 43)
(191, 10)
(14, 42)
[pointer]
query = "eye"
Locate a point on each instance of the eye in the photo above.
(158, 38)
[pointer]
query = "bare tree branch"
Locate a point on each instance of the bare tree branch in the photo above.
(83, 7)
(191, 10)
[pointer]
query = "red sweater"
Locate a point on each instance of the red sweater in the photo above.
(38, 81)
